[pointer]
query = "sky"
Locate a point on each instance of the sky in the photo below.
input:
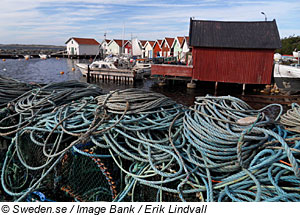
(53, 22)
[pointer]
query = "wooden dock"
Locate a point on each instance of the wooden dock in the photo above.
(120, 75)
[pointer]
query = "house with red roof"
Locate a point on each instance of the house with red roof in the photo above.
(149, 49)
(82, 46)
(176, 46)
(186, 50)
(166, 47)
(128, 47)
(104, 45)
(185, 45)
(157, 48)
(115, 47)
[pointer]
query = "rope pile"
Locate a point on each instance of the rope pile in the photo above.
(11, 89)
(236, 161)
(72, 143)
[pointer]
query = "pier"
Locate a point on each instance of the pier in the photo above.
(124, 76)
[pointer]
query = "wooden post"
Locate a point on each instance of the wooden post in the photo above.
(244, 87)
(88, 75)
(216, 88)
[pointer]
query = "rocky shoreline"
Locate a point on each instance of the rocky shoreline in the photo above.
(17, 51)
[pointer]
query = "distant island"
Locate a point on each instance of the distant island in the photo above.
(11, 50)
(29, 46)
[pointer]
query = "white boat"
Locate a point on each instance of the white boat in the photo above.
(287, 76)
(43, 56)
(277, 57)
(142, 69)
(296, 54)
(95, 66)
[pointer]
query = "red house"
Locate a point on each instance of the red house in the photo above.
(233, 52)
(128, 47)
(166, 46)
(157, 48)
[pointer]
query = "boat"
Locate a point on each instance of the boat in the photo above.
(287, 77)
(142, 69)
(277, 57)
(296, 54)
(43, 56)
(96, 66)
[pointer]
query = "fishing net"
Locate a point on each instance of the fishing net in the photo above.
(69, 142)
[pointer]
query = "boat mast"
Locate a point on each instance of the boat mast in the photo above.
(123, 38)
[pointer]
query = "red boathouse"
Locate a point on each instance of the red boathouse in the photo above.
(233, 52)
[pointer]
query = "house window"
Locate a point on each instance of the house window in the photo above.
(72, 41)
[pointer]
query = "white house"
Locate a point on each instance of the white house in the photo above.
(185, 45)
(136, 47)
(149, 49)
(82, 46)
(186, 54)
(177, 47)
(114, 47)
(104, 46)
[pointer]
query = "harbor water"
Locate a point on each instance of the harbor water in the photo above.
(61, 69)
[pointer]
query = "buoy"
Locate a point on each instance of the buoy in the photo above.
(162, 84)
(246, 120)
(191, 85)
(3, 60)
(62, 72)
(73, 69)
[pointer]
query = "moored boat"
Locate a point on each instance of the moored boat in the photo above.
(96, 66)
(296, 54)
(287, 77)
(43, 56)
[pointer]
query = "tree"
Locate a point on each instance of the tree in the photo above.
(289, 44)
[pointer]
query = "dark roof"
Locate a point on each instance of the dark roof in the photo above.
(84, 41)
(245, 35)
(169, 41)
(180, 40)
(143, 42)
(119, 42)
(151, 43)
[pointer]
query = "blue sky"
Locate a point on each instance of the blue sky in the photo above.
(54, 21)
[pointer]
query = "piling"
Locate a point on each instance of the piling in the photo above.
(88, 78)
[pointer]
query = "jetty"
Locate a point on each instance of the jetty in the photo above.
(119, 75)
